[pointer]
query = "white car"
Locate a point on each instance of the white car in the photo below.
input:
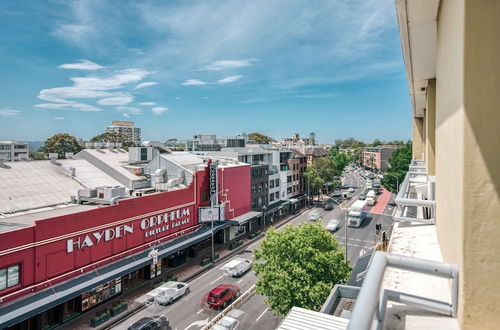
(351, 190)
(332, 225)
(168, 292)
(314, 215)
(236, 267)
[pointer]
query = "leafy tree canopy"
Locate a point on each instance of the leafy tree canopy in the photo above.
(398, 167)
(340, 161)
(298, 266)
(113, 137)
(260, 138)
(349, 143)
(61, 144)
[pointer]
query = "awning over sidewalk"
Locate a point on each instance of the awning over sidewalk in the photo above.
(36, 303)
(239, 220)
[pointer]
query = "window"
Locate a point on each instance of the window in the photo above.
(271, 184)
(144, 153)
(277, 195)
(9, 277)
(271, 197)
(277, 182)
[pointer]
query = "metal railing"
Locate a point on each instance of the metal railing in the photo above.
(404, 199)
(370, 304)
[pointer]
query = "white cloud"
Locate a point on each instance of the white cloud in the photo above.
(58, 118)
(204, 97)
(69, 105)
(9, 113)
(83, 65)
(122, 100)
(147, 103)
(159, 110)
(193, 82)
(129, 110)
(229, 79)
(228, 64)
(126, 115)
(177, 98)
(145, 84)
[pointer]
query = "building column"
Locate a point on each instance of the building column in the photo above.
(430, 128)
(418, 138)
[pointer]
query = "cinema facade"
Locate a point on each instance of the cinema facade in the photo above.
(70, 259)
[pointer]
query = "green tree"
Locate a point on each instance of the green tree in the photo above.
(37, 155)
(398, 167)
(61, 144)
(321, 171)
(376, 143)
(340, 161)
(260, 138)
(298, 266)
(113, 137)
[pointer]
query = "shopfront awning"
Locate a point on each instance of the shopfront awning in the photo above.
(26, 307)
(239, 220)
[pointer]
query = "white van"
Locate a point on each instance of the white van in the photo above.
(314, 215)
(236, 267)
(371, 197)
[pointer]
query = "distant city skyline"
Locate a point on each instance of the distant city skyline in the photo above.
(181, 68)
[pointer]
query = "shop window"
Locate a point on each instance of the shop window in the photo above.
(49, 318)
(71, 308)
(9, 277)
(101, 293)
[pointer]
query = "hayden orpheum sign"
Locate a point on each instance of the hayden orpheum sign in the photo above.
(150, 226)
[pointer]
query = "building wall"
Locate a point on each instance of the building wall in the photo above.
(293, 164)
(450, 136)
(481, 165)
(418, 138)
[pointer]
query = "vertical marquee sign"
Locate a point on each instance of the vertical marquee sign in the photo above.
(213, 183)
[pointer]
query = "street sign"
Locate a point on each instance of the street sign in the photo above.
(154, 255)
(213, 179)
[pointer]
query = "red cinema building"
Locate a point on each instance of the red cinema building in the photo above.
(68, 243)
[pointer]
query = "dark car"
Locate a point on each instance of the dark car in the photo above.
(362, 196)
(223, 295)
(151, 323)
(328, 206)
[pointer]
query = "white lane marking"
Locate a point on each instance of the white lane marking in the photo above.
(239, 281)
(200, 311)
(216, 279)
(261, 315)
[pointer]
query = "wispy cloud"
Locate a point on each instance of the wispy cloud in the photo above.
(194, 82)
(9, 113)
(229, 79)
(58, 118)
(145, 84)
(159, 110)
(126, 115)
(177, 98)
(129, 110)
(83, 65)
(147, 103)
(121, 100)
(92, 87)
(228, 64)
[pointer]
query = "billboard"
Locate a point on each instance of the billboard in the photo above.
(205, 213)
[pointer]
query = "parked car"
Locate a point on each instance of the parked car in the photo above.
(336, 194)
(332, 225)
(231, 321)
(362, 196)
(328, 206)
(222, 295)
(237, 267)
(151, 323)
(351, 190)
(314, 215)
(166, 293)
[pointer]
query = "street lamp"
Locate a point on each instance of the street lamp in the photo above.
(397, 181)
(264, 209)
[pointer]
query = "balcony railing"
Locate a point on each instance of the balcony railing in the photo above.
(416, 191)
(371, 302)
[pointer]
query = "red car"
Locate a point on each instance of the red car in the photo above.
(222, 295)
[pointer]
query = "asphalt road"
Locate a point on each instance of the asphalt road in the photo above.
(188, 312)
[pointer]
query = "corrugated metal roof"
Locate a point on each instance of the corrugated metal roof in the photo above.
(304, 319)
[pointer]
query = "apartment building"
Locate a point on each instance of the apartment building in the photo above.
(210, 142)
(11, 151)
(376, 158)
(126, 128)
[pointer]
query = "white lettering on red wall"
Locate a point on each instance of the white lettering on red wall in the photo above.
(151, 226)
(97, 237)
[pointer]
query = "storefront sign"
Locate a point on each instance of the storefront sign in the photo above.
(97, 237)
(213, 180)
(151, 226)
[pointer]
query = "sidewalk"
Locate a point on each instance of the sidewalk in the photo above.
(185, 272)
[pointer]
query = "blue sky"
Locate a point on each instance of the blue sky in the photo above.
(178, 68)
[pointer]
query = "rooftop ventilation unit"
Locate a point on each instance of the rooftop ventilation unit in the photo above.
(2, 162)
(69, 155)
(53, 157)
(89, 145)
(118, 145)
(110, 145)
(98, 145)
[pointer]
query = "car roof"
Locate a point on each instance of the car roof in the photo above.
(144, 321)
(218, 289)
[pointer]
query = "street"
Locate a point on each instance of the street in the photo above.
(188, 312)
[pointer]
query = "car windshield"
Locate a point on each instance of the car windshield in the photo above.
(215, 296)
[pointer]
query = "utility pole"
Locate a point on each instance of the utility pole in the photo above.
(345, 232)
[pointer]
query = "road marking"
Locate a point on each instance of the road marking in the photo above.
(216, 280)
(239, 281)
(200, 311)
(257, 320)
(197, 324)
